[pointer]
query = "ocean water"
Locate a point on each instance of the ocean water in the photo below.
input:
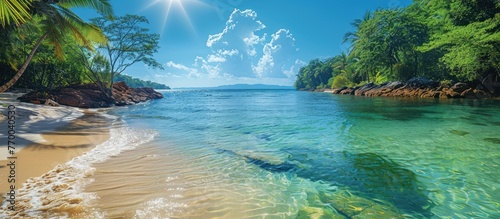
(288, 154)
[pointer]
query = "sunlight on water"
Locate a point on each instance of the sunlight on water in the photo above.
(287, 154)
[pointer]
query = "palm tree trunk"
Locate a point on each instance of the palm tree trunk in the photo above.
(19, 73)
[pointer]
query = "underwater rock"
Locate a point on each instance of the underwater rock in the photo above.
(318, 213)
(493, 140)
(458, 132)
(369, 175)
(353, 206)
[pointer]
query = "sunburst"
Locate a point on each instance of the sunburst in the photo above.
(169, 5)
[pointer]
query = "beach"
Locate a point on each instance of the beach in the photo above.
(46, 138)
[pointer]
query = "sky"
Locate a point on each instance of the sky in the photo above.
(207, 43)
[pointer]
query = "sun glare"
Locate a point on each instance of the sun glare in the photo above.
(169, 6)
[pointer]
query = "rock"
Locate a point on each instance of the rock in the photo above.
(337, 91)
(449, 93)
(415, 87)
(348, 91)
(469, 93)
(422, 82)
(50, 102)
(459, 87)
(481, 94)
(318, 213)
(363, 89)
(90, 96)
(395, 85)
(354, 206)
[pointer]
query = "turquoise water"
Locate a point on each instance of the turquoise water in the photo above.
(280, 154)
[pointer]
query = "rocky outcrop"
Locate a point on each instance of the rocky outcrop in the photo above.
(417, 87)
(124, 95)
(90, 96)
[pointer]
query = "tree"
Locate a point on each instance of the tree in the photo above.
(128, 43)
(16, 11)
(58, 20)
(472, 50)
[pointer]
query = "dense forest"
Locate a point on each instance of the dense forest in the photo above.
(136, 82)
(445, 40)
(44, 45)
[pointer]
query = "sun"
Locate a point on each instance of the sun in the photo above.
(170, 5)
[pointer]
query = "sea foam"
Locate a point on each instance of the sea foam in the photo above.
(60, 192)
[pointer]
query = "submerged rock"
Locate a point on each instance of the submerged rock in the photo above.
(458, 132)
(353, 206)
(318, 213)
(370, 175)
(493, 140)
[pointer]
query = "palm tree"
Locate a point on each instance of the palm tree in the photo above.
(353, 37)
(57, 20)
(16, 11)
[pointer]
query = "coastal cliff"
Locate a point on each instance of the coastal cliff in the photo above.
(90, 96)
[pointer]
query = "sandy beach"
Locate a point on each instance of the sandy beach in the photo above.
(46, 138)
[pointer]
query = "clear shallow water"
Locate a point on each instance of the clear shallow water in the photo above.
(277, 154)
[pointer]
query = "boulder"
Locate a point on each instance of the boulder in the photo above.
(459, 87)
(469, 93)
(416, 87)
(50, 102)
(394, 85)
(90, 96)
(422, 82)
(363, 89)
(480, 94)
(354, 206)
(348, 91)
(337, 91)
(318, 213)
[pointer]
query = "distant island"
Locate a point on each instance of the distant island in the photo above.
(245, 87)
(137, 83)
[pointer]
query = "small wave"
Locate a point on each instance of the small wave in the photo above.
(59, 193)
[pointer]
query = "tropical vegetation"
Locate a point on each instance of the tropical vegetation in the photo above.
(44, 44)
(453, 40)
(136, 82)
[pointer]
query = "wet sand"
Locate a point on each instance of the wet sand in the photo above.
(60, 146)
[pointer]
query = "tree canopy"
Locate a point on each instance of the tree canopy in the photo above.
(455, 40)
(53, 22)
(52, 47)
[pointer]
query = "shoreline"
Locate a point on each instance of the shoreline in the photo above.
(59, 146)
(47, 137)
(420, 88)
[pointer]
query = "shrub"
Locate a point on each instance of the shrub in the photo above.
(340, 81)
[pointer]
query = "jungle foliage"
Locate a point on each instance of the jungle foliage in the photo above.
(44, 45)
(454, 40)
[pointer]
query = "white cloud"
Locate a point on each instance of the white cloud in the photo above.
(244, 50)
(278, 57)
(215, 58)
(192, 72)
(241, 24)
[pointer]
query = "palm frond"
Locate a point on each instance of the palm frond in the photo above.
(16, 11)
(101, 6)
(82, 30)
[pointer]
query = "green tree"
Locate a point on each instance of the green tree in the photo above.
(16, 11)
(57, 20)
(472, 50)
(128, 43)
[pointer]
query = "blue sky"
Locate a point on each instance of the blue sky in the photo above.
(216, 42)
